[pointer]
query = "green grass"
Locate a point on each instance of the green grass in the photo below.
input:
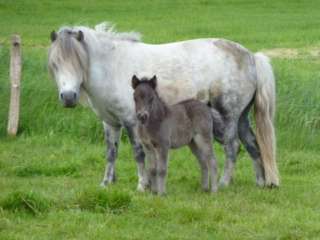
(29, 202)
(49, 174)
(100, 200)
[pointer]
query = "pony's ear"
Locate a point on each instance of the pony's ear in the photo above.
(80, 36)
(53, 36)
(153, 82)
(135, 81)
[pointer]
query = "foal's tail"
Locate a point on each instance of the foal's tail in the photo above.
(264, 114)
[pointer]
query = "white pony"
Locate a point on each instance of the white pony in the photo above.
(99, 64)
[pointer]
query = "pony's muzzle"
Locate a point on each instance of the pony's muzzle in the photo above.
(69, 99)
(142, 116)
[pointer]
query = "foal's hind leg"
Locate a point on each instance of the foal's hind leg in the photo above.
(112, 135)
(139, 157)
(203, 165)
(248, 139)
(201, 147)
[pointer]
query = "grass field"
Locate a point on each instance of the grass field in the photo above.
(49, 174)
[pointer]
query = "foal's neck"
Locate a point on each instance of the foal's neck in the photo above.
(158, 110)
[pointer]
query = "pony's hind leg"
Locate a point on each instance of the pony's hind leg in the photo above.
(249, 141)
(139, 157)
(231, 147)
(112, 135)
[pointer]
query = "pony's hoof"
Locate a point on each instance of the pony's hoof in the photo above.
(103, 184)
(162, 194)
(260, 182)
(141, 187)
(107, 182)
(206, 189)
(272, 185)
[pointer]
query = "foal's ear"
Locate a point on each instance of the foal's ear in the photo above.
(80, 36)
(134, 82)
(153, 82)
(53, 36)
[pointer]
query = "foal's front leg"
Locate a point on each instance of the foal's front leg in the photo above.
(162, 166)
(112, 135)
(151, 159)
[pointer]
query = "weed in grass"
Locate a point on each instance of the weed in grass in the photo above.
(29, 202)
(101, 200)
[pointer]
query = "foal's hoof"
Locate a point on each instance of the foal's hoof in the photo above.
(214, 189)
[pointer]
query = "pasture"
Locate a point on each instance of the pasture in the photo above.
(49, 174)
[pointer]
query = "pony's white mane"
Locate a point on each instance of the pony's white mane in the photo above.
(108, 29)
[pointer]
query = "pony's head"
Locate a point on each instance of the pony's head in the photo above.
(68, 63)
(144, 96)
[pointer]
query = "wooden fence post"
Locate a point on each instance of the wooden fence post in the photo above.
(15, 76)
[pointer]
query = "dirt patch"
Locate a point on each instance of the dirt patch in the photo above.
(314, 52)
(281, 53)
(293, 53)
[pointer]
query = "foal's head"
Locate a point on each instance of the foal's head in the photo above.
(144, 96)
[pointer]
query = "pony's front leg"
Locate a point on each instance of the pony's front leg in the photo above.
(139, 157)
(112, 135)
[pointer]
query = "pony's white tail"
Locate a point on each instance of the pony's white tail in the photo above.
(264, 114)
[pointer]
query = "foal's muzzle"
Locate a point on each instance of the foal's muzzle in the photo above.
(69, 99)
(143, 116)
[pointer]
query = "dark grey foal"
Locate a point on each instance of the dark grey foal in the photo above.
(161, 127)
